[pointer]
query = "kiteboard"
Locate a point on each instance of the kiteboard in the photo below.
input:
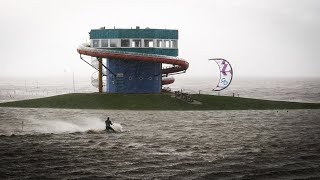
(116, 127)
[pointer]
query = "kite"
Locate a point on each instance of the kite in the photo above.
(226, 74)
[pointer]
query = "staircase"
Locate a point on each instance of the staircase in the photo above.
(95, 75)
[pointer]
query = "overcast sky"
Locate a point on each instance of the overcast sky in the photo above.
(259, 37)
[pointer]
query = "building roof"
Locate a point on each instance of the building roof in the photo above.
(103, 33)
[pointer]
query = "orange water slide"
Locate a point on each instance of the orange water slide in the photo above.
(179, 65)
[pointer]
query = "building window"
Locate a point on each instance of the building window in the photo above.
(148, 43)
(120, 75)
(136, 43)
(166, 43)
(125, 43)
(104, 43)
(174, 43)
(159, 43)
(95, 43)
(113, 43)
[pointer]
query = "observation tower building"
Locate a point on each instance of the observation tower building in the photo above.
(131, 60)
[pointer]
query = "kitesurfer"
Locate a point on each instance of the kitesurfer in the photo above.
(108, 125)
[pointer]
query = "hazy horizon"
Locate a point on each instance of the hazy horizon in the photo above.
(260, 38)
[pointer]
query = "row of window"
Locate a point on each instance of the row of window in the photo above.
(134, 43)
(141, 78)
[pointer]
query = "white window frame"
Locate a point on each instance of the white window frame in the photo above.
(148, 43)
(125, 46)
(116, 41)
(165, 43)
(92, 45)
(176, 43)
(108, 43)
(134, 41)
(161, 43)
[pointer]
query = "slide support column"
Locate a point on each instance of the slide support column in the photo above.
(100, 75)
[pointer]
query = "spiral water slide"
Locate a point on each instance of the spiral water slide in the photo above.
(178, 65)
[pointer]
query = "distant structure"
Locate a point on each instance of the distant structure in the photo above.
(131, 60)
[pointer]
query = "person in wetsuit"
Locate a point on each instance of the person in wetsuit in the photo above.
(108, 125)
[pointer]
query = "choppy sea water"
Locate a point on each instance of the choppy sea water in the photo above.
(283, 89)
(71, 144)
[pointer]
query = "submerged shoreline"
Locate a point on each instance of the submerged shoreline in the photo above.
(163, 101)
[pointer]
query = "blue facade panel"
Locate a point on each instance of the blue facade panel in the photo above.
(133, 77)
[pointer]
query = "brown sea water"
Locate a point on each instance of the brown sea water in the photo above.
(71, 144)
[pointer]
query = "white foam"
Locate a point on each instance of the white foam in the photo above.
(61, 126)
(117, 127)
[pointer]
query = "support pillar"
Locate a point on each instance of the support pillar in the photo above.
(100, 75)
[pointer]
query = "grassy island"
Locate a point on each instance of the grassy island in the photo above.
(154, 102)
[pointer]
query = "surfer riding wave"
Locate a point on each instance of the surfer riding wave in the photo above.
(108, 125)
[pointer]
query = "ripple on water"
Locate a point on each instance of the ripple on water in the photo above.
(162, 145)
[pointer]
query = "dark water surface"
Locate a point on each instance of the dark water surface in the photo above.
(71, 144)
